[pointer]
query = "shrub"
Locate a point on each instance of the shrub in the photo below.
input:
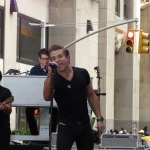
(17, 132)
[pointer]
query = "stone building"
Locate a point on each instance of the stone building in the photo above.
(119, 70)
(144, 95)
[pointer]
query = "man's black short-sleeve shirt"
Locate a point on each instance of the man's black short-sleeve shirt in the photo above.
(71, 96)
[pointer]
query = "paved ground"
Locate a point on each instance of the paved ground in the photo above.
(97, 147)
(40, 147)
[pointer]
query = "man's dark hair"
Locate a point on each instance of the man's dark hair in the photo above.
(122, 128)
(0, 75)
(56, 47)
(145, 128)
(43, 51)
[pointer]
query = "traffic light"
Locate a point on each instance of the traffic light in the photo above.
(130, 41)
(143, 42)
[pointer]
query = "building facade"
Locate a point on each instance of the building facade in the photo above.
(119, 70)
(144, 71)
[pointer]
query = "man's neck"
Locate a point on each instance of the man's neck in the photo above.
(67, 73)
(43, 67)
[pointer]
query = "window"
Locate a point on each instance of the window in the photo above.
(117, 7)
(1, 31)
(125, 9)
(28, 40)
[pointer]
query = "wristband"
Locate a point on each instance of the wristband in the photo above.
(100, 119)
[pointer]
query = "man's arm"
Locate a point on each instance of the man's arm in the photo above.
(93, 101)
(47, 85)
(47, 90)
(95, 105)
(7, 108)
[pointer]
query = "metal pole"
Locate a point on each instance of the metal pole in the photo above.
(117, 24)
(43, 26)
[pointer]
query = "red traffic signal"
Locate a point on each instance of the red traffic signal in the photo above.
(130, 41)
(130, 34)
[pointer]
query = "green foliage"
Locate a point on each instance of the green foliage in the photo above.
(27, 132)
(20, 132)
(17, 132)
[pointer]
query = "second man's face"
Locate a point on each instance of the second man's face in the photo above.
(44, 60)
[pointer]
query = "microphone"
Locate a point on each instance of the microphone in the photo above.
(53, 66)
(45, 67)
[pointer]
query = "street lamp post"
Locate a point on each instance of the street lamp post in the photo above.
(43, 25)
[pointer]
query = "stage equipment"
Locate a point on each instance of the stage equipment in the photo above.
(121, 141)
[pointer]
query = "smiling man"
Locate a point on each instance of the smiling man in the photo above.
(71, 91)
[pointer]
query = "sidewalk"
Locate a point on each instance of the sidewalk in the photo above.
(96, 147)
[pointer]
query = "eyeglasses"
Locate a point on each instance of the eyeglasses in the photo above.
(45, 59)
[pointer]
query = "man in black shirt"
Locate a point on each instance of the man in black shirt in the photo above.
(5, 111)
(39, 70)
(71, 91)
